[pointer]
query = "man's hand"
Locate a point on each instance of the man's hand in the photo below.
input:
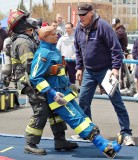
(59, 99)
(115, 72)
(79, 75)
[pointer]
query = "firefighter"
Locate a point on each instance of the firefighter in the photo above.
(48, 77)
(22, 30)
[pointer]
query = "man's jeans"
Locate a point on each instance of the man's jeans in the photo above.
(89, 83)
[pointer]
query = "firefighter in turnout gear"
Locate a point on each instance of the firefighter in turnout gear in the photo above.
(22, 31)
(48, 77)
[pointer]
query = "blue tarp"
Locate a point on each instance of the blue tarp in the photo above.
(4, 22)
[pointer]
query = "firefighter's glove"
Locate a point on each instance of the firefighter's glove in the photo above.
(59, 99)
(57, 96)
(74, 88)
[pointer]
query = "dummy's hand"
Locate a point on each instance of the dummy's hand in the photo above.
(115, 72)
(59, 99)
(74, 88)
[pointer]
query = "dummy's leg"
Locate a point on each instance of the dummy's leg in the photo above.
(88, 130)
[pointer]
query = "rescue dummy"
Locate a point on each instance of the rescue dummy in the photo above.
(22, 30)
(48, 77)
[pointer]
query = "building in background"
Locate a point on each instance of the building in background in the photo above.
(125, 10)
(68, 9)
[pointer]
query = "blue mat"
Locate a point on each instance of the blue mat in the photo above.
(13, 147)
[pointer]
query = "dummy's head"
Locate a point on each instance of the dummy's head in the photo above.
(48, 34)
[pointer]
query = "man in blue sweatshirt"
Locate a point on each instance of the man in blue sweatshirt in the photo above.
(97, 50)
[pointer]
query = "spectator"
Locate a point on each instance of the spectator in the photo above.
(66, 46)
(98, 49)
(55, 25)
(135, 56)
(122, 36)
(61, 24)
(3, 36)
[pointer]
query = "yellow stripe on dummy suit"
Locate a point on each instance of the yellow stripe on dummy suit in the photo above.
(34, 131)
(2, 102)
(81, 127)
(68, 98)
(88, 120)
(42, 85)
(54, 120)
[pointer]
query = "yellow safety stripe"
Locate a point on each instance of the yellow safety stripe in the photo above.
(42, 85)
(88, 120)
(15, 61)
(11, 100)
(3, 102)
(54, 120)
(75, 94)
(81, 127)
(68, 98)
(23, 79)
(62, 72)
(26, 56)
(36, 132)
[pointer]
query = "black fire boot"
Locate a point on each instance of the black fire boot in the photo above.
(33, 149)
(62, 143)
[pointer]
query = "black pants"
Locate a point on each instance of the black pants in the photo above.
(38, 121)
(70, 68)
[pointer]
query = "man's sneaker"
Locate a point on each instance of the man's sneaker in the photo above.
(129, 140)
(78, 138)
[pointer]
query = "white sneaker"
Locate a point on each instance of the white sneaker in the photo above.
(129, 141)
(136, 95)
(78, 138)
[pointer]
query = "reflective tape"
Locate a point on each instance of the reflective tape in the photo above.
(15, 61)
(2, 99)
(81, 127)
(88, 120)
(11, 100)
(42, 85)
(55, 105)
(54, 120)
(36, 132)
(26, 56)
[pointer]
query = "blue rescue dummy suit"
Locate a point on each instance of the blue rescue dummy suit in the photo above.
(44, 79)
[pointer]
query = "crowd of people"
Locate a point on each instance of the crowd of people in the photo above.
(48, 58)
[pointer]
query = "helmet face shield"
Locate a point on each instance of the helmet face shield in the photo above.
(32, 23)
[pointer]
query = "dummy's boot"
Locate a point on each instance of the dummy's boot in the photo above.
(109, 148)
(33, 149)
(62, 143)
